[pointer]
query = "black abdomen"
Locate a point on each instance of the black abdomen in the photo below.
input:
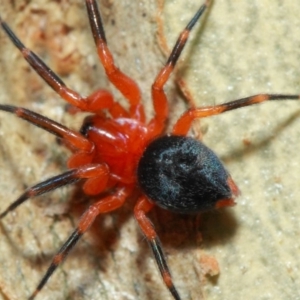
(182, 175)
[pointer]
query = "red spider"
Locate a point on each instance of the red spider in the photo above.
(116, 151)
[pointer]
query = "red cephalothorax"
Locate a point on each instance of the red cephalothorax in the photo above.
(119, 143)
(116, 151)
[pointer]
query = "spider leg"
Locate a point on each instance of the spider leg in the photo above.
(159, 97)
(184, 123)
(97, 101)
(103, 206)
(69, 136)
(142, 207)
(122, 82)
(86, 172)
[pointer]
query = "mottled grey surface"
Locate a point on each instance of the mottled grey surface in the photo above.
(243, 48)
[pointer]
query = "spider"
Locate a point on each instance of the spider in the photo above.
(116, 151)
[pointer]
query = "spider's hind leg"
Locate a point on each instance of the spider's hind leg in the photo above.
(142, 207)
(104, 205)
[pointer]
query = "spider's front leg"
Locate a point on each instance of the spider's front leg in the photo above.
(99, 100)
(121, 81)
(159, 98)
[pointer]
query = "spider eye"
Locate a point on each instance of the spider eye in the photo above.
(183, 175)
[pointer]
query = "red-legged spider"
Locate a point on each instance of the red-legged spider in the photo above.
(126, 136)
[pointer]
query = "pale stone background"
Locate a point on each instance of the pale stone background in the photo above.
(241, 48)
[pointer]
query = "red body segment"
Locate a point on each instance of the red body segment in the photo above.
(119, 143)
